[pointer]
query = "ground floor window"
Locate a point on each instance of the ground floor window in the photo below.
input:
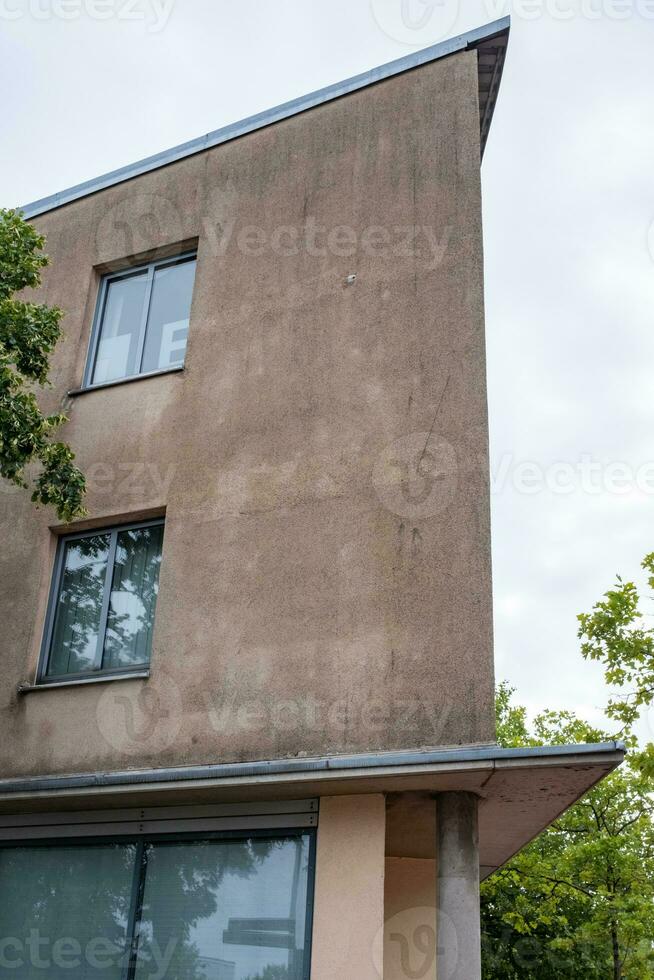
(224, 907)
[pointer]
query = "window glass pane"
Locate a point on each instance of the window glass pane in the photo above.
(170, 309)
(79, 605)
(121, 325)
(225, 910)
(134, 591)
(64, 911)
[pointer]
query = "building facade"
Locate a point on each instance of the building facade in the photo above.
(247, 711)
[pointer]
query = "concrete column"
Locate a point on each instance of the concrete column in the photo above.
(459, 928)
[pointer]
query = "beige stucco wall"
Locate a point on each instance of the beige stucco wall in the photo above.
(349, 891)
(410, 919)
(312, 601)
(374, 915)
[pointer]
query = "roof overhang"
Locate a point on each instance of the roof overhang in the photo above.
(521, 790)
(490, 42)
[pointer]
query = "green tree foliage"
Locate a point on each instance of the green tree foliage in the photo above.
(28, 334)
(578, 901)
(616, 634)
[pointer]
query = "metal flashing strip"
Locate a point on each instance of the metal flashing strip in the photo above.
(337, 767)
(148, 821)
(480, 38)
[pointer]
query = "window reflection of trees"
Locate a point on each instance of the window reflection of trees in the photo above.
(134, 588)
(273, 973)
(79, 893)
(85, 893)
(79, 605)
(183, 891)
(136, 578)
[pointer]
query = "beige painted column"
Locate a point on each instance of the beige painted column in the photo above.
(349, 895)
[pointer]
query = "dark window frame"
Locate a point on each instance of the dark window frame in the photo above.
(96, 673)
(141, 841)
(98, 319)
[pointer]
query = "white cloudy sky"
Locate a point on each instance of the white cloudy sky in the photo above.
(569, 200)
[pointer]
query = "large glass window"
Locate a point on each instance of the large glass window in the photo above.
(103, 602)
(64, 911)
(214, 909)
(142, 321)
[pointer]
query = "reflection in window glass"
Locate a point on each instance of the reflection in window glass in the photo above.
(79, 607)
(64, 911)
(134, 589)
(143, 320)
(118, 347)
(104, 600)
(225, 910)
(168, 319)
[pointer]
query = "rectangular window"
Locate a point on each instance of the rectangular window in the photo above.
(230, 906)
(64, 895)
(141, 322)
(103, 602)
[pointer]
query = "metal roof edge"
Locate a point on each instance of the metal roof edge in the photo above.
(491, 754)
(462, 42)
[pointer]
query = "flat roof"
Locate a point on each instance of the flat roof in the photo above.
(490, 42)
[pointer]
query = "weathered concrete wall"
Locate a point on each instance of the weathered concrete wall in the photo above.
(322, 459)
(349, 894)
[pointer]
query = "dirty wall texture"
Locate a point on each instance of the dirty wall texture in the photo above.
(321, 460)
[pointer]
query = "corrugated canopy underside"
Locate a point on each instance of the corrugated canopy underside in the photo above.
(489, 41)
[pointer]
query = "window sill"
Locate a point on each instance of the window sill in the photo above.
(124, 381)
(83, 681)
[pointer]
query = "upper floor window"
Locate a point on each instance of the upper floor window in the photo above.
(141, 321)
(102, 604)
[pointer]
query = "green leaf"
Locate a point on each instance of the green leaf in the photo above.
(29, 333)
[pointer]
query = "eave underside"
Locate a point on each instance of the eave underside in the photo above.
(521, 792)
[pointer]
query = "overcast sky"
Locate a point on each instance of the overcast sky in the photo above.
(90, 85)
